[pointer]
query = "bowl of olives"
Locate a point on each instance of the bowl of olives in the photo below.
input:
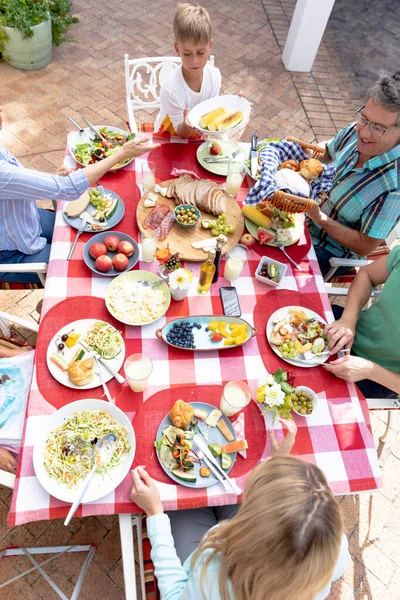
(304, 401)
(186, 215)
(270, 271)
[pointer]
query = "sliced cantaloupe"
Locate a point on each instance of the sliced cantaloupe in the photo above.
(234, 446)
(240, 339)
(229, 341)
(224, 429)
(300, 349)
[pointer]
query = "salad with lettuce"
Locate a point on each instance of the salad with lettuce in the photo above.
(260, 146)
(88, 153)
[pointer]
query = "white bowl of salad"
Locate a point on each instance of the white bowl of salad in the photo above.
(86, 149)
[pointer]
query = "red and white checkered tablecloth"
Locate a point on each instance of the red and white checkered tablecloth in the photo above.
(338, 437)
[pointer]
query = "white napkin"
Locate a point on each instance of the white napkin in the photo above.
(286, 179)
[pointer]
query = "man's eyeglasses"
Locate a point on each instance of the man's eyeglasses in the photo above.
(375, 129)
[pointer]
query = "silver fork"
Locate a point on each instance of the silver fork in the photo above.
(222, 158)
(200, 454)
(97, 370)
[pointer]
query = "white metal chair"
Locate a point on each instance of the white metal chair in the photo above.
(143, 78)
(39, 268)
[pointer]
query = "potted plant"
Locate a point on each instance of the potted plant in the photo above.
(29, 27)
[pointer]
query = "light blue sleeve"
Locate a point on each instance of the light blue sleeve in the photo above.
(16, 182)
(339, 570)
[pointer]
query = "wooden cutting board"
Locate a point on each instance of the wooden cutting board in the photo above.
(179, 239)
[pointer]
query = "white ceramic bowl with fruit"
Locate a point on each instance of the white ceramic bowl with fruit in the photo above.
(232, 104)
(264, 272)
(306, 401)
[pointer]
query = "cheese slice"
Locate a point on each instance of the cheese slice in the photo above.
(150, 202)
(205, 244)
(160, 190)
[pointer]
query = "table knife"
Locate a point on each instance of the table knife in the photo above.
(78, 233)
(253, 156)
(116, 375)
(204, 448)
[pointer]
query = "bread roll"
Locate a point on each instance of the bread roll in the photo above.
(80, 372)
(181, 414)
(291, 164)
(311, 168)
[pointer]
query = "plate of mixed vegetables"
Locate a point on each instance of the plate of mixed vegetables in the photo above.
(174, 446)
(297, 335)
(88, 149)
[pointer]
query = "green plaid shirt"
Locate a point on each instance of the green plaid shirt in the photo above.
(365, 199)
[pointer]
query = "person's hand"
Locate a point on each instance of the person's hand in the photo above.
(314, 213)
(350, 368)
(284, 447)
(188, 126)
(7, 461)
(63, 171)
(145, 493)
(134, 148)
(340, 334)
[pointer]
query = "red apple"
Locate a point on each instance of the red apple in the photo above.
(126, 248)
(97, 249)
(103, 263)
(247, 240)
(120, 262)
(111, 242)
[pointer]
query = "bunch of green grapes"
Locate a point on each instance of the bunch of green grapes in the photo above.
(221, 225)
(97, 200)
(287, 349)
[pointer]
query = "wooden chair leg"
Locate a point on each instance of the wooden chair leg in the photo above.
(383, 437)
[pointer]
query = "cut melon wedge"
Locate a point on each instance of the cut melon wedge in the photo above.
(224, 429)
(110, 211)
(184, 475)
(234, 447)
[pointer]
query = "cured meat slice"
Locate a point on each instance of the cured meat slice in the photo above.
(165, 226)
(154, 219)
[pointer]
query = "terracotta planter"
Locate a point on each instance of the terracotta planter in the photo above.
(31, 53)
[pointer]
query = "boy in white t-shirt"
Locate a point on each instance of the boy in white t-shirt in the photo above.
(194, 80)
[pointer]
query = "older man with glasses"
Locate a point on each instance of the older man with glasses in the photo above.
(364, 203)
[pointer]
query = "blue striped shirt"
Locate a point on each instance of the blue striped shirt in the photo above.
(19, 190)
(365, 199)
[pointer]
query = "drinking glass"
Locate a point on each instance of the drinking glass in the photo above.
(149, 246)
(148, 176)
(235, 397)
(138, 368)
(235, 261)
(236, 173)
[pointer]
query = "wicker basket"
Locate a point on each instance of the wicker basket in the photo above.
(290, 203)
(306, 146)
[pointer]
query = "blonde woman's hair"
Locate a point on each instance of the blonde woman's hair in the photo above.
(192, 23)
(284, 542)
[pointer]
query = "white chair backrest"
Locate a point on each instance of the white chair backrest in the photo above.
(143, 78)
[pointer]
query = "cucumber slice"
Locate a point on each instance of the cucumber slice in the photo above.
(215, 449)
(184, 475)
(226, 461)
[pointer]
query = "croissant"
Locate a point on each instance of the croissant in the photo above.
(80, 372)
(181, 414)
(311, 168)
(289, 164)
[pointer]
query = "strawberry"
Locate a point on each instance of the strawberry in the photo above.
(214, 150)
(216, 337)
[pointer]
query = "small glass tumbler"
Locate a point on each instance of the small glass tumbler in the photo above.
(138, 368)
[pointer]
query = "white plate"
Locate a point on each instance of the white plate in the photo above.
(298, 362)
(203, 151)
(81, 326)
(230, 103)
(253, 229)
(101, 485)
(76, 137)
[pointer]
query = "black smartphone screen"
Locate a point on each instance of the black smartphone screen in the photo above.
(230, 301)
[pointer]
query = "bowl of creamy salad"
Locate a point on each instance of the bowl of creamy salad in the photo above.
(135, 304)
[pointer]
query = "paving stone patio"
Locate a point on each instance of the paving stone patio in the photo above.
(87, 78)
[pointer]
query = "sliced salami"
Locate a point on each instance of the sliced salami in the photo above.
(165, 226)
(154, 219)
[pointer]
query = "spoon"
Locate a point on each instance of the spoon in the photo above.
(102, 453)
(280, 247)
(145, 283)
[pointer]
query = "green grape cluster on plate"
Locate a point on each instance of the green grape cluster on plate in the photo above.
(97, 200)
(221, 225)
(287, 349)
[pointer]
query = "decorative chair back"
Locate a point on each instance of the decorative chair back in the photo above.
(143, 79)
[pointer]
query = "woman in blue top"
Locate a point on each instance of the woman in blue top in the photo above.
(285, 543)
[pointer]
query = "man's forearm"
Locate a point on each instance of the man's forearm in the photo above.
(348, 238)
(386, 378)
(359, 293)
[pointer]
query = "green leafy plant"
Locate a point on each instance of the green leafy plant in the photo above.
(25, 14)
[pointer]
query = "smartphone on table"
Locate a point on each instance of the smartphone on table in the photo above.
(230, 301)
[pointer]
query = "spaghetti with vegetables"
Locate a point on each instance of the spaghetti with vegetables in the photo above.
(69, 449)
(104, 339)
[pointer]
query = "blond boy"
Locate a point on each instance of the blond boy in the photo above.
(194, 80)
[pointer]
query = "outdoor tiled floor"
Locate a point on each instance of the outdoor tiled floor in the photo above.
(87, 78)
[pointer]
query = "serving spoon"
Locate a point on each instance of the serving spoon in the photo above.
(145, 283)
(102, 452)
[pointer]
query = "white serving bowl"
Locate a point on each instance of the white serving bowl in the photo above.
(282, 270)
(230, 103)
(310, 392)
(76, 137)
